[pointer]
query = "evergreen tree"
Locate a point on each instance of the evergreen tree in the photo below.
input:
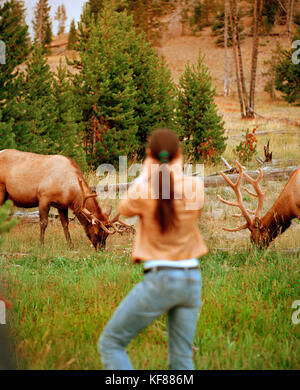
(14, 33)
(155, 91)
(197, 16)
(42, 25)
(34, 116)
(209, 7)
(123, 89)
(48, 34)
(270, 9)
(287, 74)
(218, 29)
(61, 17)
(104, 88)
(146, 15)
(72, 38)
(201, 129)
(7, 136)
(67, 119)
(95, 6)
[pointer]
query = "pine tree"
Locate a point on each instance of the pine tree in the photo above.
(146, 16)
(95, 6)
(209, 7)
(48, 34)
(61, 17)
(270, 9)
(14, 33)
(155, 91)
(42, 25)
(218, 29)
(67, 119)
(197, 16)
(201, 129)
(123, 88)
(104, 88)
(34, 116)
(287, 73)
(7, 136)
(72, 38)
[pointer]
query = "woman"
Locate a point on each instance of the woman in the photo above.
(168, 242)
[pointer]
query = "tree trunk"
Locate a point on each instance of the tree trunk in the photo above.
(240, 59)
(256, 21)
(227, 79)
(236, 63)
(290, 16)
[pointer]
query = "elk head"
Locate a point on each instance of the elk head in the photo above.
(259, 233)
(99, 228)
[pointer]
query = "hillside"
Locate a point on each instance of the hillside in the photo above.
(181, 49)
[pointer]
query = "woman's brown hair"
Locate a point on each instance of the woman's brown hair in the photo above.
(164, 147)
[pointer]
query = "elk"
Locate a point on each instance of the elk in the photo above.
(287, 207)
(35, 180)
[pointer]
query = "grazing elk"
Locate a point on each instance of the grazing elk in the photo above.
(35, 180)
(287, 207)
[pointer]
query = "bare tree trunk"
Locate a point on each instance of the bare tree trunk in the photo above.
(236, 62)
(290, 16)
(256, 21)
(240, 58)
(227, 80)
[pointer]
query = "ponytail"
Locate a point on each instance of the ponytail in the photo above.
(164, 146)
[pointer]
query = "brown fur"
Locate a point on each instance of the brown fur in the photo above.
(281, 214)
(35, 180)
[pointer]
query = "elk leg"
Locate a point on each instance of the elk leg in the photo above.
(44, 212)
(64, 219)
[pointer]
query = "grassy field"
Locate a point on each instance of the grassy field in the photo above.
(63, 299)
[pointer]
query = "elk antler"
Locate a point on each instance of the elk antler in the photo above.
(95, 220)
(236, 188)
(87, 213)
(126, 227)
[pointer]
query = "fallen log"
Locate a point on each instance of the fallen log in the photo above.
(33, 216)
(271, 132)
(13, 254)
(212, 181)
(28, 216)
(291, 121)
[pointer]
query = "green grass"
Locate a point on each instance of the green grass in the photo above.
(63, 299)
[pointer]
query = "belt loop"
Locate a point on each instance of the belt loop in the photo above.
(154, 270)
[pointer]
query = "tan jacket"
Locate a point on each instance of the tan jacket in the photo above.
(180, 243)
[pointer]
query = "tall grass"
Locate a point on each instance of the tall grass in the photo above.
(63, 299)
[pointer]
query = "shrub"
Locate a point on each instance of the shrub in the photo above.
(247, 147)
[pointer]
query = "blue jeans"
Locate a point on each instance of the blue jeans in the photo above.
(175, 292)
